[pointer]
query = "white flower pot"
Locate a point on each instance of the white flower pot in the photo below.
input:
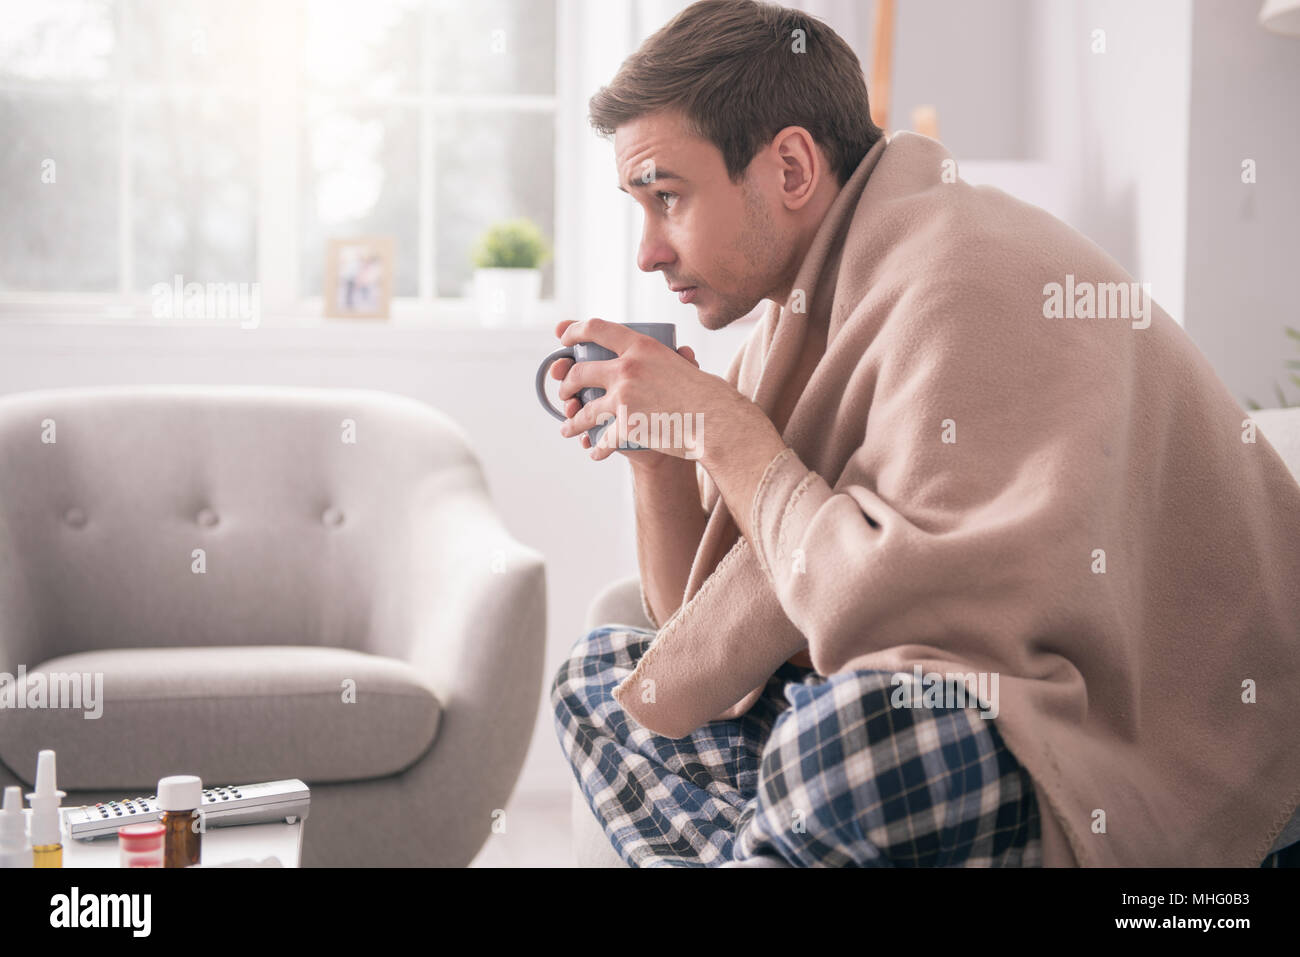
(506, 297)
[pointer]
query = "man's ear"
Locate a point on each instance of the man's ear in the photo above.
(802, 165)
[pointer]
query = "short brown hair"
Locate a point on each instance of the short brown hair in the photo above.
(731, 68)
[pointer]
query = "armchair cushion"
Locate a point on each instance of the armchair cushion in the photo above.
(232, 715)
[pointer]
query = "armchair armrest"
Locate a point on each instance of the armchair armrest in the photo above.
(620, 603)
(474, 602)
(468, 612)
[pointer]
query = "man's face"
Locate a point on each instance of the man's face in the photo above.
(700, 229)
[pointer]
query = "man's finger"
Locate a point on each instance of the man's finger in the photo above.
(614, 337)
(593, 374)
(589, 416)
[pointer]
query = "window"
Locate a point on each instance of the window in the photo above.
(228, 140)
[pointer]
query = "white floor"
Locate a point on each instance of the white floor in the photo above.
(538, 833)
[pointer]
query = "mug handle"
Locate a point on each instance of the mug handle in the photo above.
(542, 370)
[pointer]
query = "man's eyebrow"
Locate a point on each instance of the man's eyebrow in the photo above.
(635, 179)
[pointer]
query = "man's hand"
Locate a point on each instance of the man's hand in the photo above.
(733, 438)
(660, 399)
(640, 459)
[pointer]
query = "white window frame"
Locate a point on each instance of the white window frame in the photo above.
(279, 188)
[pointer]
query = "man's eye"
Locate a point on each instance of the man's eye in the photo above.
(661, 194)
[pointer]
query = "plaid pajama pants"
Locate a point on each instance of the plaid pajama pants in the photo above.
(823, 772)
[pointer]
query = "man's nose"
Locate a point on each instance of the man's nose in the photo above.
(653, 253)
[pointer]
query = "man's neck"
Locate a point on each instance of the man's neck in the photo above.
(816, 215)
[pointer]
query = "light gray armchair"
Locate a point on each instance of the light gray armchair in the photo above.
(273, 583)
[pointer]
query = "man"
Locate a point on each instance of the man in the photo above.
(926, 590)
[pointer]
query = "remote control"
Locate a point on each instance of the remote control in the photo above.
(286, 800)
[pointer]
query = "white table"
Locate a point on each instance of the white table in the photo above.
(221, 845)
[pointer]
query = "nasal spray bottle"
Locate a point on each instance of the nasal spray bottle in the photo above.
(15, 849)
(47, 836)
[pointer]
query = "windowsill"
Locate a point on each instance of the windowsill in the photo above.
(273, 323)
(136, 312)
(453, 332)
(422, 334)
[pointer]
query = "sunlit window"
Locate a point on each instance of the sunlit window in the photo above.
(220, 139)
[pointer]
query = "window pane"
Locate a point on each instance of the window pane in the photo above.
(494, 46)
(362, 47)
(489, 167)
(58, 190)
(360, 177)
(194, 169)
(196, 42)
(56, 39)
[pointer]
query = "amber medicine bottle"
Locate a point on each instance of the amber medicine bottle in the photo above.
(179, 798)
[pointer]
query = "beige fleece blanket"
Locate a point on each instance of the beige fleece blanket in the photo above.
(1000, 469)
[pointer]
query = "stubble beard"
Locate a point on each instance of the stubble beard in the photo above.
(759, 249)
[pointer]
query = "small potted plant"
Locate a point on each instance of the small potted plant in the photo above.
(507, 274)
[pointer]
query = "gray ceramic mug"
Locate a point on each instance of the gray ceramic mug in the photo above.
(665, 332)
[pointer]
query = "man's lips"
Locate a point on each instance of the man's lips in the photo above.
(686, 293)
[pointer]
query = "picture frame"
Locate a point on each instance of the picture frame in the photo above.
(359, 277)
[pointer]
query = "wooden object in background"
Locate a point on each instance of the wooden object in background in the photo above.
(925, 120)
(882, 57)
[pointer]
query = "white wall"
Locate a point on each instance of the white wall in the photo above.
(1243, 241)
(1114, 127)
(966, 59)
(1147, 141)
